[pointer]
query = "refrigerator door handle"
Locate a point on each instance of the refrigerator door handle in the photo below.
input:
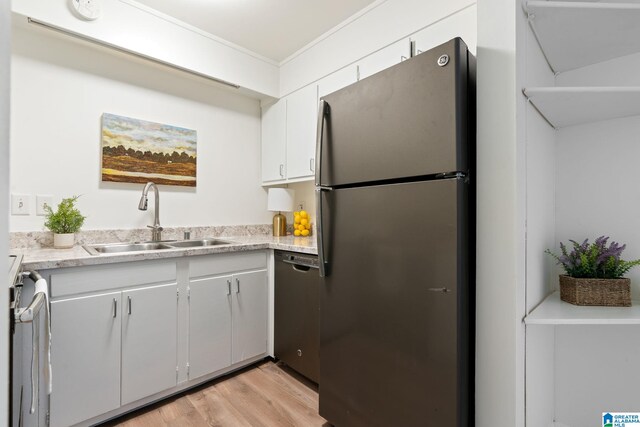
(323, 109)
(322, 261)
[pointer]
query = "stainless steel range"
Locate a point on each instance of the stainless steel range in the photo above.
(30, 379)
(15, 289)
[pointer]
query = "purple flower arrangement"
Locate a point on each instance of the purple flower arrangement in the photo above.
(595, 260)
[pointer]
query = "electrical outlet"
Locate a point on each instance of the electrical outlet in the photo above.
(41, 202)
(20, 204)
(300, 206)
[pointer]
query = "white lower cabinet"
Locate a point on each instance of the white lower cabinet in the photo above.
(227, 321)
(149, 345)
(85, 356)
(249, 316)
(209, 325)
(111, 349)
(125, 333)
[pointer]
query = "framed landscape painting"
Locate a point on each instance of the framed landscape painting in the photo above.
(139, 151)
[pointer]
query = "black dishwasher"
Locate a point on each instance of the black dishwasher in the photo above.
(297, 312)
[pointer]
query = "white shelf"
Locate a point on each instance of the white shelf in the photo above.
(567, 106)
(553, 311)
(575, 34)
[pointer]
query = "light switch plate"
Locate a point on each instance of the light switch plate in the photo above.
(43, 200)
(20, 204)
(300, 206)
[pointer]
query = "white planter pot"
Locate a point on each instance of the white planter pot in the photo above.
(63, 241)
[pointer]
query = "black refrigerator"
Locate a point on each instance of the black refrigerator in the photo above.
(395, 204)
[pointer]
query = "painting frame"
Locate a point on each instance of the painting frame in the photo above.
(139, 151)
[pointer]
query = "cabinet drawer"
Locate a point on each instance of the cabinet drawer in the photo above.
(80, 280)
(211, 265)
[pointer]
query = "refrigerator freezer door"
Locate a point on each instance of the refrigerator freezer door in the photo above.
(406, 121)
(394, 328)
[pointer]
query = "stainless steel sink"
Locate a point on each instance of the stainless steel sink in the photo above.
(198, 243)
(114, 248)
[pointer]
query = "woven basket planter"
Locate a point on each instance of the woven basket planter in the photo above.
(601, 292)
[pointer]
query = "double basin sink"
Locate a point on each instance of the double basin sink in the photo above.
(115, 248)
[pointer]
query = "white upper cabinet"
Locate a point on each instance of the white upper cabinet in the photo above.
(274, 141)
(384, 58)
(336, 81)
(302, 112)
(289, 137)
(463, 24)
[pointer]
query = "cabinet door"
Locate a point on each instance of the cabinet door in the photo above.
(249, 315)
(337, 80)
(274, 122)
(209, 325)
(148, 341)
(302, 117)
(462, 24)
(384, 58)
(85, 357)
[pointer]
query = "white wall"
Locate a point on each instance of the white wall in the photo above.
(597, 180)
(129, 25)
(305, 192)
(500, 283)
(598, 186)
(384, 23)
(604, 381)
(61, 88)
(5, 54)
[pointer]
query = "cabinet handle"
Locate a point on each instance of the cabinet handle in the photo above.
(312, 165)
(237, 286)
(282, 171)
(129, 309)
(115, 308)
(229, 287)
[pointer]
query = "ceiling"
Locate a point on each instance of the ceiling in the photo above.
(272, 28)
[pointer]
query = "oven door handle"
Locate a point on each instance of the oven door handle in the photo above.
(30, 314)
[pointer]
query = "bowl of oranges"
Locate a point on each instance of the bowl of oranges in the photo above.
(301, 223)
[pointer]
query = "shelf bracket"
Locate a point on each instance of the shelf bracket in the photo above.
(530, 18)
(524, 92)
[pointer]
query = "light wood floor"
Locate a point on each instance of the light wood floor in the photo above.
(266, 394)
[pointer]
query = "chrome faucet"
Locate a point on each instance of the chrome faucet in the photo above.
(156, 230)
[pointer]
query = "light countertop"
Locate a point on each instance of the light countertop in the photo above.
(47, 258)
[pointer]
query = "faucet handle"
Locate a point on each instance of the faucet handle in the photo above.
(155, 227)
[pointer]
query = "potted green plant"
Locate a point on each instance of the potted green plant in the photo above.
(594, 273)
(64, 222)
